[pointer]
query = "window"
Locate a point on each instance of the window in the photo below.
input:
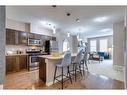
(103, 45)
(66, 45)
(93, 46)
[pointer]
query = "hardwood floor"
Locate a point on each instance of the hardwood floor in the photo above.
(30, 80)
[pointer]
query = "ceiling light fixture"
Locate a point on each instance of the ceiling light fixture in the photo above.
(77, 36)
(54, 30)
(100, 19)
(68, 34)
(68, 14)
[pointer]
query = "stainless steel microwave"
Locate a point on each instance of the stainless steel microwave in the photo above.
(32, 41)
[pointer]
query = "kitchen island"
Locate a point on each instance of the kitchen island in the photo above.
(47, 67)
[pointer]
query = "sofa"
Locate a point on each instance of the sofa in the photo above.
(105, 55)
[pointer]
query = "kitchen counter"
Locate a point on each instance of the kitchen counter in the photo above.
(16, 54)
(55, 57)
(47, 67)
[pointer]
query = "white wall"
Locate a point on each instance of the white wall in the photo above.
(36, 28)
(118, 44)
(2, 45)
(17, 25)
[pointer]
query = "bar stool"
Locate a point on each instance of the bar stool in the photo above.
(84, 62)
(76, 63)
(66, 62)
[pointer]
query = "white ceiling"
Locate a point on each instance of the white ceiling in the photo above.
(57, 16)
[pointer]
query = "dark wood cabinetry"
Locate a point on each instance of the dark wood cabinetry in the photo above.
(22, 38)
(10, 37)
(16, 63)
(37, 36)
(42, 69)
(22, 62)
(30, 35)
(16, 37)
(34, 36)
(54, 38)
(10, 64)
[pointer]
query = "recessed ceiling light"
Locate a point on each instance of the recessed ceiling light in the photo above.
(100, 19)
(48, 24)
(106, 30)
(77, 20)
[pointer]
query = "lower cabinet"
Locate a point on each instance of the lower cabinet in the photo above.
(22, 62)
(16, 63)
(10, 64)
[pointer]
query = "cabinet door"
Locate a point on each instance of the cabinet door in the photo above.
(54, 38)
(10, 64)
(10, 37)
(22, 38)
(30, 35)
(37, 36)
(22, 62)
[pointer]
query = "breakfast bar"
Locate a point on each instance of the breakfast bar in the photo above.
(47, 67)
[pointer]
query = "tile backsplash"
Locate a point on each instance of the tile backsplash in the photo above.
(12, 49)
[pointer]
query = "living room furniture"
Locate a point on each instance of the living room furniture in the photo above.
(95, 56)
(105, 55)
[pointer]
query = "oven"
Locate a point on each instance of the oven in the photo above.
(33, 58)
(33, 62)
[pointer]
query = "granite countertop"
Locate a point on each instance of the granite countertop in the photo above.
(55, 57)
(16, 54)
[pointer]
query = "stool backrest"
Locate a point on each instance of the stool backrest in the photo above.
(67, 58)
(78, 57)
(84, 57)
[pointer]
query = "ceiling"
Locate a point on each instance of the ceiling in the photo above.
(57, 17)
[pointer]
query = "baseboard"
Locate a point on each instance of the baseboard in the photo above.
(118, 68)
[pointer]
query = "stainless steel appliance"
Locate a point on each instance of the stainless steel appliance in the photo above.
(50, 46)
(32, 41)
(33, 59)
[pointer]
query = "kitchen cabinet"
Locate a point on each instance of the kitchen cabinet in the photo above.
(31, 35)
(42, 69)
(11, 64)
(15, 37)
(34, 36)
(37, 36)
(22, 38)
(10, 37)
(16, 63)
(22, 62)
(53, 38)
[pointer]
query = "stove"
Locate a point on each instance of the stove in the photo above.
(33, 58)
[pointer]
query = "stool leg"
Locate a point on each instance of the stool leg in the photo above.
(54, 75)
(75, 71)
(83, 69)
(80, 69)
(62, 78)
(86, 65)
(69, 74)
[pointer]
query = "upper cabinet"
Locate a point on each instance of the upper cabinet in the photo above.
(10, 37)
(22, 38)
(34, 36)
(16, 37)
